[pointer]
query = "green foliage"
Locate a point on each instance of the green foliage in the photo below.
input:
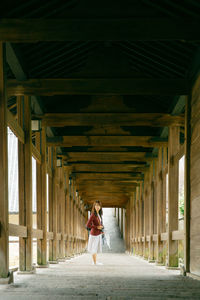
(181, 205)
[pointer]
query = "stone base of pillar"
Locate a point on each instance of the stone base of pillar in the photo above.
(172, 268)
(151, 261)
(8, 279)
(33, 271)
(42, 266)
(159, 263)
(61, 260)
(53, 262)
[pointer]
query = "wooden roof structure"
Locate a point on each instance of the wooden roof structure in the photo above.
(106, 78)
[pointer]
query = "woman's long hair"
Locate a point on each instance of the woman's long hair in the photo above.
(94, 210)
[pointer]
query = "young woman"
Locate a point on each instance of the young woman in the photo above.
(95, 238)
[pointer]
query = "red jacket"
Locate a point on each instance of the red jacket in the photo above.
(93, 223)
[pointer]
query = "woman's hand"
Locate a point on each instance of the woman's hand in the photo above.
(100, 227)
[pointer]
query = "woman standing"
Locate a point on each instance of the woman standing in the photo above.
(95, 238)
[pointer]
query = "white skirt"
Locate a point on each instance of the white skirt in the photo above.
(95, 243)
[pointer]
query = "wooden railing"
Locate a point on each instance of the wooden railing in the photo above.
(176, 236)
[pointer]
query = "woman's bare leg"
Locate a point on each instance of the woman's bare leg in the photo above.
(94, 256)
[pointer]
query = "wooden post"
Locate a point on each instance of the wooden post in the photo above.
(67, 213)
(172, 196)
(151, 215)
(25, 185)
(141, 221)
(146, 215)
(187, 187)
(159, 179)
(4, 234)
(42, 203)
(53, 253)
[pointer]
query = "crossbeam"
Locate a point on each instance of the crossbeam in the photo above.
(105, 156)
(34, 30)
(120, 119)
(70, 141)
(108, 168)
(97, 86)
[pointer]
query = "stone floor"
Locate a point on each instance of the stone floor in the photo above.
(120, 277)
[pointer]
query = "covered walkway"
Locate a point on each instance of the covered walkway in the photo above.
(122, 277)
(103, 98)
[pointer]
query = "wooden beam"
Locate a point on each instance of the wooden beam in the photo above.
(100, 29)
(4, 243)
(106, 156)
(107, 168)
(36, 154)
(15, 127)
(17, 230)
(121, 119)
(118, 141)
(108, 176)
(97, 86)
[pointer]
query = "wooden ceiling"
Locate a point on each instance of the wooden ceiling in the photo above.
(106, 78)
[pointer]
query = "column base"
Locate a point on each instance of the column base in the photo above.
(61, 260)
(42, 266)
(159, 264)
(8, 279)
(53, 262)
(151, 261)
(172, 268)
(33, 271)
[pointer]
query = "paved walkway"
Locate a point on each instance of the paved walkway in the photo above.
(120, 277)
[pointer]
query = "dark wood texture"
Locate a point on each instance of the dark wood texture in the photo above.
(98, 86)
(101, 29)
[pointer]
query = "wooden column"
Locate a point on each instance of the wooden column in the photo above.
(160, 229)
(122, 227)
(141, 219)
(25, 185)
(187, 186)
(146, 215)
(151, 215)
(67, 215)
(42, 203)
(4, 234)
(137, 219)
(62, 213)
(173, 148)
(53, 245)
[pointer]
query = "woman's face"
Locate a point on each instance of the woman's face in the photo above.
(97, 207)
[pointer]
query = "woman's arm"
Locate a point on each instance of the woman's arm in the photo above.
(90, 222)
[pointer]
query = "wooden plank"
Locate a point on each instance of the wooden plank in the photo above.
(4, 244)
(49, 235)
(37, 233)
(96, 29)
(15, 127)
(97, 86)
(117, 141)
(36, 154)
(180, 153)
(17, 230)
(121, 119)
(164, 236)
(178, 235)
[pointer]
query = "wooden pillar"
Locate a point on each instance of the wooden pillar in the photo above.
(137, 218)
(67, 215)
(140, 219)
(53, 245)
(160, 229)
(4, 234)
(146, 215)
(62, 213)
(42, 203)
(151, 215)
(187, 186)
(122, 225)
(25, 185)
(173, 148)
